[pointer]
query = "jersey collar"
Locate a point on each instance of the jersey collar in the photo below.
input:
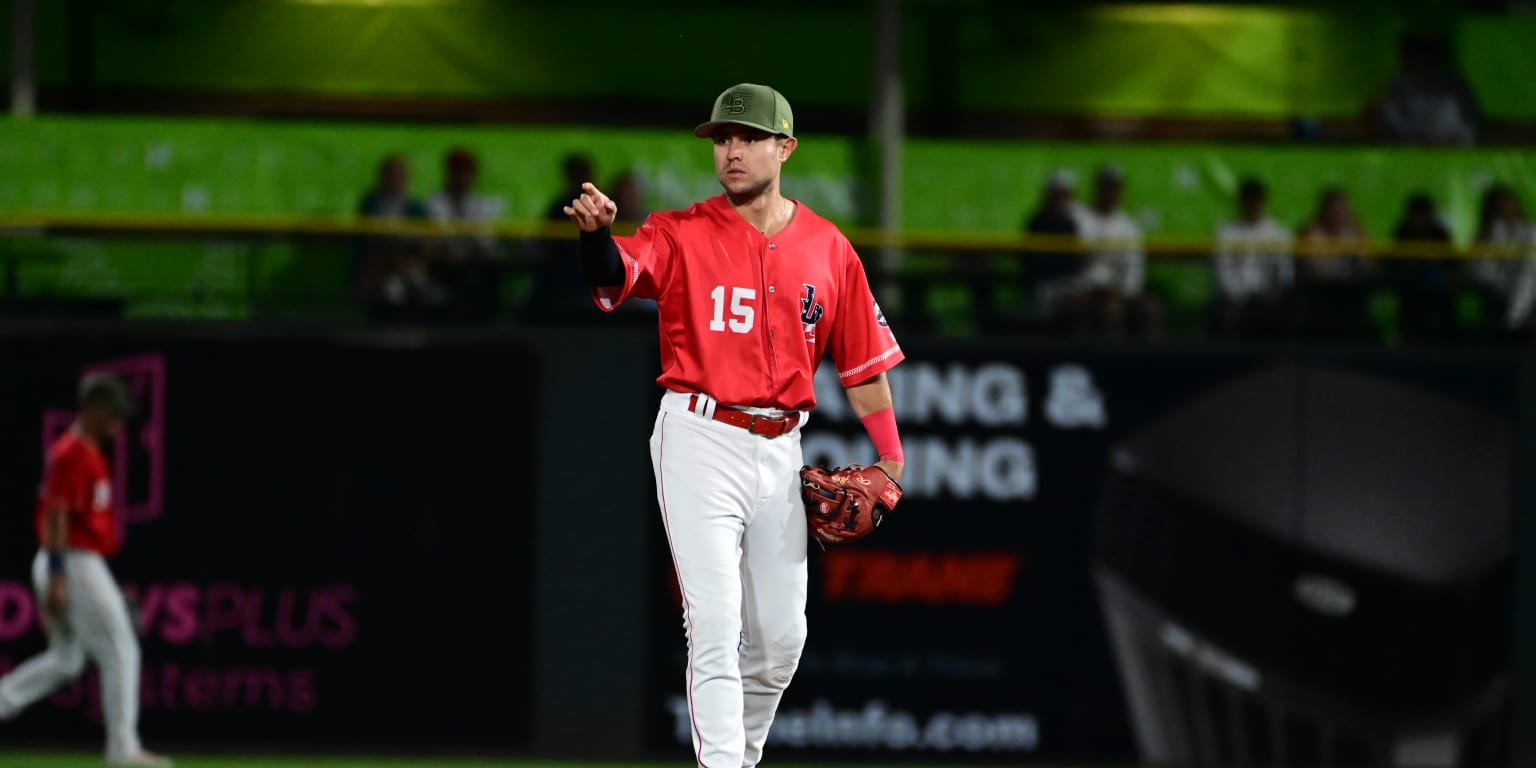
(723, 208)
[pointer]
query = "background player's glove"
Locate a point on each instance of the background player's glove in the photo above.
(847, 503)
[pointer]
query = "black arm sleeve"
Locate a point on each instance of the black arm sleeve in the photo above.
(600, 262)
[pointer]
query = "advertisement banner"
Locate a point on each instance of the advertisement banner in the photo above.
(322, 539)
(1103, 555)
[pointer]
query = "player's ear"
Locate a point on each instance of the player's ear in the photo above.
(786, 147)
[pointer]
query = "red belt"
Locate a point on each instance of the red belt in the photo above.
(765, 426)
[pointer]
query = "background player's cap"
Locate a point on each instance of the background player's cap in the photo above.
(105, 389)
(756, 106)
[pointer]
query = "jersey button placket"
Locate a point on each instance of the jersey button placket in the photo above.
(770, 290)
(773, 362)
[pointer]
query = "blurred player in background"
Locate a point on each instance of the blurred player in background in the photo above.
(753, 289)
(83, 610)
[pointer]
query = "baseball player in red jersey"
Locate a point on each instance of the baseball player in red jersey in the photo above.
(83, 610)
(752, 289)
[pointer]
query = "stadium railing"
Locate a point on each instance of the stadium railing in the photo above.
(306, 270)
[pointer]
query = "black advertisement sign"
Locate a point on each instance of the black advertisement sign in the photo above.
(1006, 611)
(326, 541)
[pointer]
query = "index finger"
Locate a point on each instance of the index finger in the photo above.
(591, 189)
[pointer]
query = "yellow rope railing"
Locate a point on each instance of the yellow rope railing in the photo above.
(864, 239)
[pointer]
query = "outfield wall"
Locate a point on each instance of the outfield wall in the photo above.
(440, 541)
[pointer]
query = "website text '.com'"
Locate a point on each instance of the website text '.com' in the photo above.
(823, 726)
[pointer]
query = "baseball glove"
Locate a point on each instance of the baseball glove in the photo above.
(847, 503)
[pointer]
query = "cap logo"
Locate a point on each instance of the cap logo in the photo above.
(785, 123)
(737, 103)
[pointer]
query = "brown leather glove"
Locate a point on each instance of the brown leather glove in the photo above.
(847, 503)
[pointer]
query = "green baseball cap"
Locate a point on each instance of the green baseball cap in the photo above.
(752, 105)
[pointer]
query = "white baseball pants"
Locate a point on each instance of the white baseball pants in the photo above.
(96, 627)
(730, 502)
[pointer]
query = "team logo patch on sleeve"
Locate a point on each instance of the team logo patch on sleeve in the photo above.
(880, 316)
(810, 312)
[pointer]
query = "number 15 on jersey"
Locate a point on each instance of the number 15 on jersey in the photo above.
(742, 313)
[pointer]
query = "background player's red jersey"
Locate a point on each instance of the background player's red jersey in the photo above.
(76, 478)
(746, 318)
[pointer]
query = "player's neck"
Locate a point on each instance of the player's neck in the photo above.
(768, 211)
(84, 435)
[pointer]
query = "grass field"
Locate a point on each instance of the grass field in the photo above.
(93, 760)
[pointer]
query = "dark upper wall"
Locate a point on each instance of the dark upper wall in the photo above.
(967, 64)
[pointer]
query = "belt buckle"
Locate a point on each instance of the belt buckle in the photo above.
(752, 425)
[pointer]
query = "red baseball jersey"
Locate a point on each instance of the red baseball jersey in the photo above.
(746, 318)
(76, 478)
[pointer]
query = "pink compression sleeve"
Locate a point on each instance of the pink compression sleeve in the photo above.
(881, 426)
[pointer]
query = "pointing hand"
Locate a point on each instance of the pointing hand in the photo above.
(593, 210)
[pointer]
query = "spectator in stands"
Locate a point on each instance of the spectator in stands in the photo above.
(1420, 275)
(1429, 102)
(1501, 218)
(389, 272)
(1506, 273)
(1050, 272)
(1335, 242)
(470, 264)
(1254, 266)
(1421, 222)
(1116, 261)
(1332, 270)
(625, 191)
(459, 203)
(558, 289)
(575, 169)
(390, 197)
(1107, 297)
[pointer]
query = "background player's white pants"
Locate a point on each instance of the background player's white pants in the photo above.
(98, 628)
(730, 501)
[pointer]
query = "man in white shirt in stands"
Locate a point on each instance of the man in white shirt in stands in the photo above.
(1107, 294)
(1254, 265)
(1507, 273)
(1116, 260)
(1522, 293)
(470, 263)
(459, 203)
